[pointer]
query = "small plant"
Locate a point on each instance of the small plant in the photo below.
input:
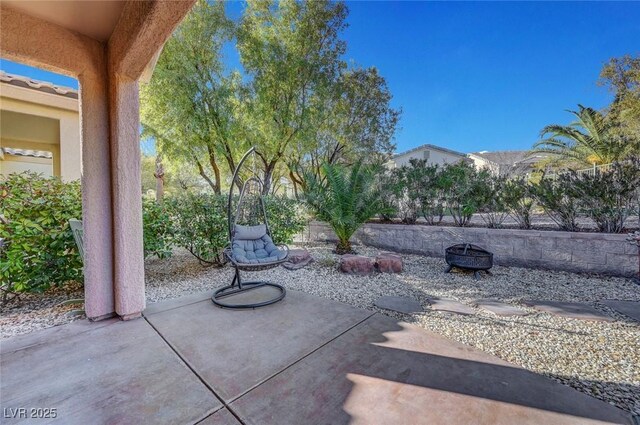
(519, 202)
(346, 198)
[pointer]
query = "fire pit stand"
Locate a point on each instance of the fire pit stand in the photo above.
(468, 257)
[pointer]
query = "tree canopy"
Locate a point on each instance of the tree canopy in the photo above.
(600, 137)
(294, 97)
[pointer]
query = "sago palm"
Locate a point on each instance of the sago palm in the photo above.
(590, 139)
(344, 197)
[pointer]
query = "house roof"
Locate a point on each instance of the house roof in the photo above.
(509, 157)
(42, 86)
(432, 147)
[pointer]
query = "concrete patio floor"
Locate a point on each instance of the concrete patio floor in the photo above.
(305, 360)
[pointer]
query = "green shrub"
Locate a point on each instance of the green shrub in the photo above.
(518, 200)
(463, 191)
(407, 182)
(39, 250)
(345, 198)
(287, 218)
(432, 194)
(559, 199)
(157, 229)
(200, 225)
(492, 203)
(390, 189)
(609, 197)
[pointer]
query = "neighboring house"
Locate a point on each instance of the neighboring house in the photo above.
(506, 163)
(433, 154)
(39, 128)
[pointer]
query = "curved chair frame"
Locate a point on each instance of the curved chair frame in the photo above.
(237, 286)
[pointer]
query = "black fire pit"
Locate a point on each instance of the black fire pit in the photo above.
(468, 257)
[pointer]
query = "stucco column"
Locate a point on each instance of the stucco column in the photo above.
(127, 197)
(96, 196)
(70, 149)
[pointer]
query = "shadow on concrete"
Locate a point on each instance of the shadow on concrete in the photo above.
(626, 394)
(382, 371)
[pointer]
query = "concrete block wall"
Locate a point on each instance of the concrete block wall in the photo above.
(603, 253)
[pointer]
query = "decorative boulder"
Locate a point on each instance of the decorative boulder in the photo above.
(388, 262)
(356, 264)
(298, 258)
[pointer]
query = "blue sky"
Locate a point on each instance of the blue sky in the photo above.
(479, 76)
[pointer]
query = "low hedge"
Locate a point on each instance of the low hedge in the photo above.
(39, 250)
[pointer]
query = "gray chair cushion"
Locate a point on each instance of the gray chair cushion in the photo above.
(247, 249)
(250, 232)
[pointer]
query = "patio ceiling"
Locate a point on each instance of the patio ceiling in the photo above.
(95, 19)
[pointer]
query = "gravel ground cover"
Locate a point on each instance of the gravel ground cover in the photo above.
(601, 359)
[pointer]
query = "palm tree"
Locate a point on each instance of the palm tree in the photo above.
(590, 139)
(344, 197)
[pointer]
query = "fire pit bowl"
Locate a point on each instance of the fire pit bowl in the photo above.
(468, 257)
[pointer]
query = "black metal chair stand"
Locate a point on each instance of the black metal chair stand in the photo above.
(250, 247)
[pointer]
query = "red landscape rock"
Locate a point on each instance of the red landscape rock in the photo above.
(356, 264)
(298, 258)
(388, 262)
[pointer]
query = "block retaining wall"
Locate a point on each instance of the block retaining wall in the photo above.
(603, 253)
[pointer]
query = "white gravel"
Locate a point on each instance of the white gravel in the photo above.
(599, 358)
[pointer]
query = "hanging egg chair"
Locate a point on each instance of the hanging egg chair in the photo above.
(250, 247)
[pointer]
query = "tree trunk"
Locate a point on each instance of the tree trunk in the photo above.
(214, 186)
(268, 174)
(216, 170)
(293, 179)
(159, 175)
(343, 247)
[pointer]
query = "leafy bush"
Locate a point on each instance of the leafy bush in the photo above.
(463, 191)
(390, 189)
(287, 218)
(416, 190)
(491, 199)
(39, 250)
(559, 199)
(608, 197)
(157, 229)
(200, 225)
(407, 190)
(432, 194)
(518, 200)
(345, 198)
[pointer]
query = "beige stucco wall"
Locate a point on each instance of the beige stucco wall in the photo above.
(435, 156)
(482, 163)
(41, 121)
